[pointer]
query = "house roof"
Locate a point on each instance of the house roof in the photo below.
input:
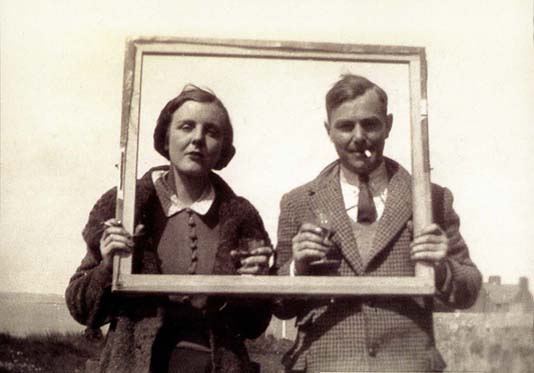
(501, 294)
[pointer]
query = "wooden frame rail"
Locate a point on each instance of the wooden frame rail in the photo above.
(137, 48)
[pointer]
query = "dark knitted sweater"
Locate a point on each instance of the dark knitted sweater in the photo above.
(136, 321)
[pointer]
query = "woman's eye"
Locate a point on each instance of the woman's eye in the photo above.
(214, 133)
(186, 126)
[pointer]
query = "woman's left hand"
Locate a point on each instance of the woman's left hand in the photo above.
(256, 263)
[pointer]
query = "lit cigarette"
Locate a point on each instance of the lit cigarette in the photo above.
(367, 153)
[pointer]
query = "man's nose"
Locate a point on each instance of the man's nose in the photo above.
(358, 133)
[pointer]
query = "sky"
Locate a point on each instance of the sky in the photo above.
(61, 66)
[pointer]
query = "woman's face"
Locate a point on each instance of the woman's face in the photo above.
(195, 137)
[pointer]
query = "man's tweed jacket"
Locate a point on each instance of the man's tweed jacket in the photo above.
(371, 333)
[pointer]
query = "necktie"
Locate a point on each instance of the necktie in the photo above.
(366, 206)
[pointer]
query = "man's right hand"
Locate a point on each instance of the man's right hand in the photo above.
(308, 245)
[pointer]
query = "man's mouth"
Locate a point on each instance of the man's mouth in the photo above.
(364, 153)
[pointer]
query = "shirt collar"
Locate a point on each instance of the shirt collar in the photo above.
(378, 178)
(171, 202)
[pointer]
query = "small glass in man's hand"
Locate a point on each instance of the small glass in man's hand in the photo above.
(324, 222)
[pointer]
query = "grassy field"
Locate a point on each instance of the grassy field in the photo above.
(46, 353)
(468, 342)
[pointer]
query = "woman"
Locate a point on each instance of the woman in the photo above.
(188, 221)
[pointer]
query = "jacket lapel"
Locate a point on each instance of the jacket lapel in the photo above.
(325, 195)
(397, 211)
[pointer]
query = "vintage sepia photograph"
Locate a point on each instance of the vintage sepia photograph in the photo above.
(266, 187)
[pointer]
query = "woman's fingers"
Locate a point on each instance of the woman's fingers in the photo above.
(254, 260)
(115, 240)
(113, 245)
(254, 270)
(264, 251)
(118, 238)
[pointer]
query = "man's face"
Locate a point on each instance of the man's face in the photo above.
(357, 127)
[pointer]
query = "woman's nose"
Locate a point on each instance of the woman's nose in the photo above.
(198, 135)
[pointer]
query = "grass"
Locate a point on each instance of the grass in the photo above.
(468, 342)
(46, 353)
(70, 352)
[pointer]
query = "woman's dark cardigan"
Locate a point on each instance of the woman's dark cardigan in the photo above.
(135, 321)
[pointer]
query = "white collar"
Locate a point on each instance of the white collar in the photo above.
(378, 185)
(378, 178)
(171, 202)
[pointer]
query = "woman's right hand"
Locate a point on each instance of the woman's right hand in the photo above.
(115, 240)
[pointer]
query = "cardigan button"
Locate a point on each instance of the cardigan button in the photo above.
(372, 351)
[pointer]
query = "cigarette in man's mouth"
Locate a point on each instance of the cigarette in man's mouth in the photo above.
(367, 153)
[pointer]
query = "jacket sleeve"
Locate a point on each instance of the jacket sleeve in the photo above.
(247, 317)
(88, 294)
(288, 227)
(458, 280)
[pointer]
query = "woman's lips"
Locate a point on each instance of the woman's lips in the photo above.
(196, 155)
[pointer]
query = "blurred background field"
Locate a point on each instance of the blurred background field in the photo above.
(478, 342)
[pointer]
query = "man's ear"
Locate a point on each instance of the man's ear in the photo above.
(389, 124)
(327, 127)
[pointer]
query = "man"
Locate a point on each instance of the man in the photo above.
(368, 200)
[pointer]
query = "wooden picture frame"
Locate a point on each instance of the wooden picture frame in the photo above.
(138, 48)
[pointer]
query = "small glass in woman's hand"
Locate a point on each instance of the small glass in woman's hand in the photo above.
(246, 249)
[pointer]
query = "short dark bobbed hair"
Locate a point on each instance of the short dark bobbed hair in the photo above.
(193, 93)
(349, 87)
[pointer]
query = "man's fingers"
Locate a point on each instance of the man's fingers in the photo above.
(428, 239)
(310, 227)
(431, 229)
(310, 246)
(431, 256)
(308, 255)
(441, 246)
(307, 236)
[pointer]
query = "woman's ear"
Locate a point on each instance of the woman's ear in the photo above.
(226, 156)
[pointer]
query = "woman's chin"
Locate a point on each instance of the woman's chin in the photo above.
(192, 170)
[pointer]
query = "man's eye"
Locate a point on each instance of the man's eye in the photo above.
(371, 124)
(345, 126)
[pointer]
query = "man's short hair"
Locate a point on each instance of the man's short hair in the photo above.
(348, 88)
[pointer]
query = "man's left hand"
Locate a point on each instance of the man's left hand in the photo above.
(431, 245)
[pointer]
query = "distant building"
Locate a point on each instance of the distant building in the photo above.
(497, 297)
